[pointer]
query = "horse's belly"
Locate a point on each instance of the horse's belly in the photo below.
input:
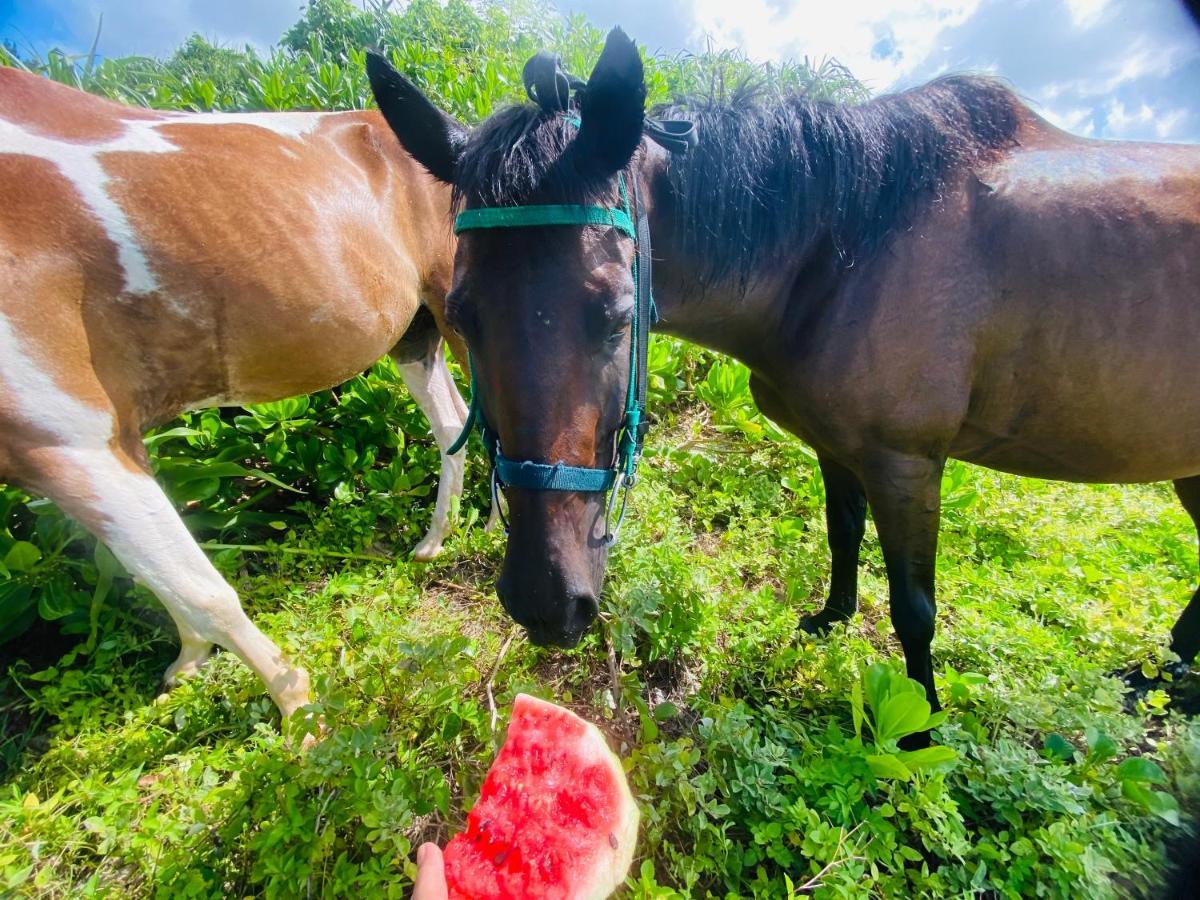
(1066, 447)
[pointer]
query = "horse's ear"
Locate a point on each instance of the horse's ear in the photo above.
(431, 137)
(612, 107)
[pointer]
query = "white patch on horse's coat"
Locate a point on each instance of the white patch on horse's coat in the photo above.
(129, 512)
(287, 124)
(39, 401)
(81, 164)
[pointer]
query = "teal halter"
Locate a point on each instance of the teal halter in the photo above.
(538, 476)
(551, 88)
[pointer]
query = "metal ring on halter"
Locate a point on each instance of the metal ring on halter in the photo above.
(622, 486)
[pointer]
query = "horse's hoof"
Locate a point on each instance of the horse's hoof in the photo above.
(819, 624)
(1138, 684)
(312, 738)
(188, 665)
(428, 549)
(918, 741)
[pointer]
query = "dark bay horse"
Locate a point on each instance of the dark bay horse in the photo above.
(937, 273)
(154, 262)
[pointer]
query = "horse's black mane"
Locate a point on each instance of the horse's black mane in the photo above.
(769, 176)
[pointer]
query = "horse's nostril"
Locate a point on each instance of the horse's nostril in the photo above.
(582, 610)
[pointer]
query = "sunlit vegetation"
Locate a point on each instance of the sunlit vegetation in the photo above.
(765, 761)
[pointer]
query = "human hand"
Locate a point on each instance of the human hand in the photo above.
(431, 874)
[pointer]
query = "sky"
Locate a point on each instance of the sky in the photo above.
(1125, 69)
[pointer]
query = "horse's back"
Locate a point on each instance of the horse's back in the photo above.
(1088, 356)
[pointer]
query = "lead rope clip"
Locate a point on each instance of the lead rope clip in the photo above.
(497, 503)
(622, 487)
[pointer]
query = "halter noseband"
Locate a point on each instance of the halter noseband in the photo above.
(548, 85)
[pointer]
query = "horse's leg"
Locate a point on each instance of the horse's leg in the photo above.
(112, 495)
(905, 496)
(429, 382)
(1185, 636)
(845, 520)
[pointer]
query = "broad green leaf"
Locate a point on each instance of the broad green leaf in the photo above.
(665, 711)
(195, 490)
(876, 682)
(22, 557)
(59, 598)
(197, 471)
(1142, 770)
(901, 715)
(928, 757)
(1164, 805)
(1158, 803)
(887, 765)
(154, 440)
(1059, 747)
(1100, 745)
(935, 719)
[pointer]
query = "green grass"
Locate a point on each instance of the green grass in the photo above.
(764, 761)
(738, 731)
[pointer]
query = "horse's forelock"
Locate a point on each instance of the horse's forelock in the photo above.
(521, 155)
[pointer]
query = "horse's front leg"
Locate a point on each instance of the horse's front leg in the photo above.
(845, 520)
(904, 493)
(112, 494)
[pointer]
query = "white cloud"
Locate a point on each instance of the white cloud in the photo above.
(1086, 13)
(1078, 120)
(880, 40)
(1071, 58)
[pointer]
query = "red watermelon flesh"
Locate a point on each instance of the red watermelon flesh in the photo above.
(555, 818)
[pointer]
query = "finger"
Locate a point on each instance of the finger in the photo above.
(431, 874)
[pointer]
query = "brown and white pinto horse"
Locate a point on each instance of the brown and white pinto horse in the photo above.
(152, 263)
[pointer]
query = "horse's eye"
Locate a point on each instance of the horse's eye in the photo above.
(459, 316)
(618, 333)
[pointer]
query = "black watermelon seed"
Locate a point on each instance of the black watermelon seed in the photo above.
(500, 857)
(612, 840)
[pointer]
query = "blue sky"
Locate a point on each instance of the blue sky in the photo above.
(1102, 68)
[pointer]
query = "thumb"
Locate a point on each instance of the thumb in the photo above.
(431, 875)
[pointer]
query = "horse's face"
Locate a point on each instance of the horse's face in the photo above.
(546, 312)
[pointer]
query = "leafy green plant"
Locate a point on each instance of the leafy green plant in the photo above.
(895, 707)
(766, 763)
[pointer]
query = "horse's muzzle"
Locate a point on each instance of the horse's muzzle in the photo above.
(565, 624)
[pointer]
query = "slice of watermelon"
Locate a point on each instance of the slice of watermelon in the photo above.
(555, 818)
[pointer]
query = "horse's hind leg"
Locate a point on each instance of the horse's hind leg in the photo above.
(1185, 636)
(111, 494)
(429, 381)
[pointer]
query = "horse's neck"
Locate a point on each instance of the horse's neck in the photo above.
(727, 316)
